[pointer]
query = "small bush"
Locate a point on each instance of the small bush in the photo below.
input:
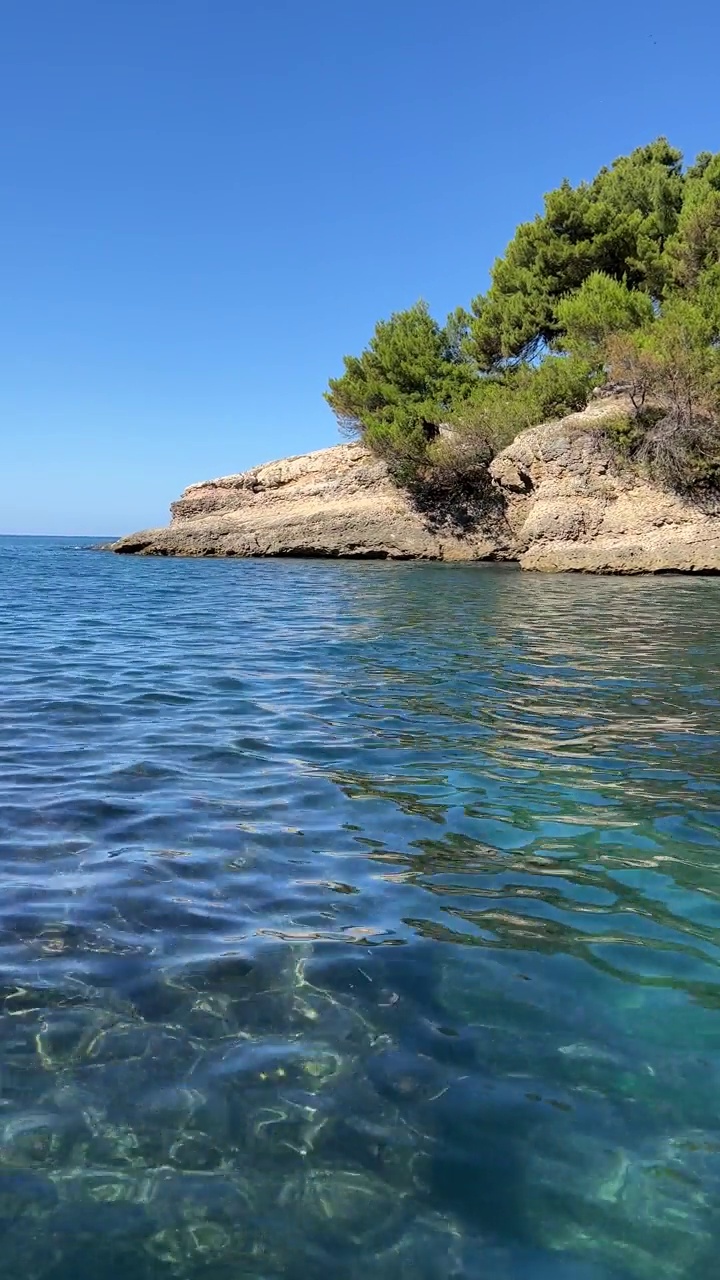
(672, 374)
(683, 451)
(624, 432)
(501, 408)
(402, 443)
(560, 385)
(458, 457)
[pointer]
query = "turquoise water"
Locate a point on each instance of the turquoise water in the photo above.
(356, 920)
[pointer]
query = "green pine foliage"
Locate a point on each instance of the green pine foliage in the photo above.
(618, 224)
(402, 386)
(602, 306)
(617, 278)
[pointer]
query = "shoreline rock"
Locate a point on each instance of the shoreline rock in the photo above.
(566, 503)
(573, 505)
(337, 502)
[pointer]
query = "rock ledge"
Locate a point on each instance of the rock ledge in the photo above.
(337, 502)
(567, 504)
(573, 506)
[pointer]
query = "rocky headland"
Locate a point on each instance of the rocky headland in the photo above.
(337, 502)
(564, 501)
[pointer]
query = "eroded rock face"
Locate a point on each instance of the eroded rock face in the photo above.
(334, 502)
(567, 503)
(572, 505)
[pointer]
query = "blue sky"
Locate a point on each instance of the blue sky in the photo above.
(206, 203)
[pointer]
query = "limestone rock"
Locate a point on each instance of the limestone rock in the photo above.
(337, 502)
(573, 505)
(567, 502)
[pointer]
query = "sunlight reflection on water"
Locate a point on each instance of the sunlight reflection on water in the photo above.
(356, 919)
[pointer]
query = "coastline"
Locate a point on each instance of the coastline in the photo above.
(564, 501)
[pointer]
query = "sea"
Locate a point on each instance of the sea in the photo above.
(357, 920)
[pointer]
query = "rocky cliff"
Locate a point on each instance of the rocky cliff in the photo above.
(572, 504)
(566, 502)
(334, 502)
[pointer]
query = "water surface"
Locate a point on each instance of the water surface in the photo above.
(356, 920)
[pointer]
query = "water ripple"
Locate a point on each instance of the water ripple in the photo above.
(356, 918)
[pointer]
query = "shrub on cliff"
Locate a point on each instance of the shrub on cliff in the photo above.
(619, 276)
(672, 373)
(500, 407)
(417, 400)
(402, 386)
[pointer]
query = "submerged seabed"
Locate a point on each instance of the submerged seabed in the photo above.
(356, 920)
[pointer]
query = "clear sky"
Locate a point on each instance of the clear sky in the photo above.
(206, 203)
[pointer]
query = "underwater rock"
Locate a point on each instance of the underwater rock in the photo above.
(35, 1139)
(201, 1220)
(25, 1195)
(404, 1076)
(651, 1212)
(433, 1245)
(344, 1207)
